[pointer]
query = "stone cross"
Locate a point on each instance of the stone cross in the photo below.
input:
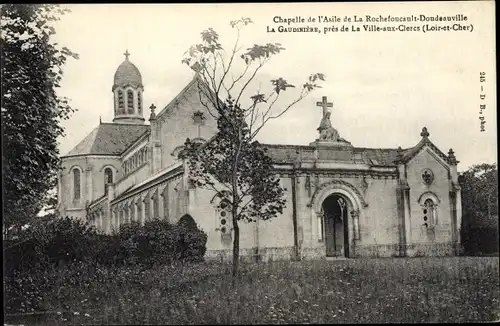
(126, 54)
(153, 114)
(324, 104)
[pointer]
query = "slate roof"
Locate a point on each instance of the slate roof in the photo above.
(109, 139)
(380, 156)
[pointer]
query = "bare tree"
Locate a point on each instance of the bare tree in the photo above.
(232, 163)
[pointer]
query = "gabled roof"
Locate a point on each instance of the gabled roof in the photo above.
(109, 139)
(197, 81)
(412, 152)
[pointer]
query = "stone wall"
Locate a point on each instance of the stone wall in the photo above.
(441, 233)
(176, 124)
(91, 181)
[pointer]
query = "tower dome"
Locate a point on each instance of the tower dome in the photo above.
(127, 74)
(127, 90)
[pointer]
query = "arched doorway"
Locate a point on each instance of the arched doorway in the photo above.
(336, 229)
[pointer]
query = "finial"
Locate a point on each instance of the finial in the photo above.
(196, 67)
(451, 156)
(153, 114)
(424, 132)
(100, 119)
(400, 153)
(126, 54)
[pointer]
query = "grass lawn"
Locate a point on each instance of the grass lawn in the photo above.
(460, 289)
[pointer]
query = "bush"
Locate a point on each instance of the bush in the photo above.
(480, 240)
(65, 240)
(160, 242)
(192, 241)
(50, 241)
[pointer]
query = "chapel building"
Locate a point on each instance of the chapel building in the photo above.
(341, 200)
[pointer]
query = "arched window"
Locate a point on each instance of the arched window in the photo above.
(121, 102)
(132, 213)
(76, 184)
(429, 212)
(108, 178)
(122, 217)
(156, 206)
(166, 202)
(139, 103)
(139, 211)
(147, 209)
(130, 101)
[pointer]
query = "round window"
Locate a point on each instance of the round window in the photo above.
(425, 211)
(223, 205)
(223, 222)
(425, 218)
(223, 229)
(222, 213)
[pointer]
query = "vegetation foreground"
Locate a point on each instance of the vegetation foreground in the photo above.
(460, 289)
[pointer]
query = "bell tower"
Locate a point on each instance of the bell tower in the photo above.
(127, 91)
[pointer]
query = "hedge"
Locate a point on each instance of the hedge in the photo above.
(66, 240)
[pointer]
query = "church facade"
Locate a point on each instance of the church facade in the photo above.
(341, 200)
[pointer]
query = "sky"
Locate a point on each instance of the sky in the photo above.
(385, 86)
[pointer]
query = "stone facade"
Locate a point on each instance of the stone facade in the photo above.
(391, 202)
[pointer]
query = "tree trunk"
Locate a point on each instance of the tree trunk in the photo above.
(234, 210)
(236, 247)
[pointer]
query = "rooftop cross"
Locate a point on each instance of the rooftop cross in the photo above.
(126, 54)
(152, 107)
(325, 104)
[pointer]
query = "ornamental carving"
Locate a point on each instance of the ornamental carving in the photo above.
(427, 176)
(339, 182)
(364, 185)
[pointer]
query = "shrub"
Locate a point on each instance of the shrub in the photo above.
(480, 240)
(50, 241)
(192, 241)
(160, 242)
(65, 240)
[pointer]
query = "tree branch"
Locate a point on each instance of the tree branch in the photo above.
(230, 61)
(303, 95)
(261, 64)
(242, 209)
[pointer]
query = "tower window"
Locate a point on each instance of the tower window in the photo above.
(139, 103)
(121, 102)
(76, 184)
(108, 178)
(130, 101)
